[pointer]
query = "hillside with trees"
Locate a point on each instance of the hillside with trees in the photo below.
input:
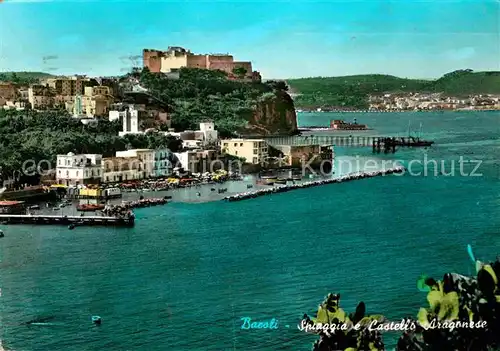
(353, 91)
(29, 135)
(235, 107)
(23, 78)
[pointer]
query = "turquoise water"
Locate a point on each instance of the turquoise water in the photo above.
(186, 274)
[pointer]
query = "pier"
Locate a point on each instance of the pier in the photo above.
(378, 143)
(67, 220)
(389, 144)
(286, 188)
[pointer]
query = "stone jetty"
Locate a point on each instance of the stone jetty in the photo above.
(285, 188)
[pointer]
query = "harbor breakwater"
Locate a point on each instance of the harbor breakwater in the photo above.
(285, 188)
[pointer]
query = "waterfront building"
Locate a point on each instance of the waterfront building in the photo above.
(187, 160)
(254, 151)
(120, 169)
(146, 156)
(79, 169)
(163, 166)
(297, 156)
(206, 161)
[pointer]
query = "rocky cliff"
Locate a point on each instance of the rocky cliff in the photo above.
(274, 114)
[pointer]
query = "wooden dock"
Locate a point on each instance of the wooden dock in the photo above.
(388, 145)
(67, 220)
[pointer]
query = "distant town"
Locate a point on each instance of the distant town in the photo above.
(420, 102)
(438, 101)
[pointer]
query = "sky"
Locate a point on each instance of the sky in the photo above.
(283, 39)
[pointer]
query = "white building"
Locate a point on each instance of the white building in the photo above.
(133, 114)
(199, 138)
(79, 169)
(188, 160)
(131, 119)
(192, 144)
(210, 135)
(117, 115)
(146, 156)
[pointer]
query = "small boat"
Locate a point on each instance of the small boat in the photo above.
(280, 181)
(90, 207)
(34, 207)
(1, 234)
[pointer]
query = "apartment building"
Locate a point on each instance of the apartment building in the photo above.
(254, 151)
(163, 166)
(120, 169)
(146, 156)
(41, 97)
(68, 86)
(79, 169)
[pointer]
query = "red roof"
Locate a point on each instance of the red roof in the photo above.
(10, 203)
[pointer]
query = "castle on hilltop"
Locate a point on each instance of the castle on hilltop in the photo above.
(177, 57)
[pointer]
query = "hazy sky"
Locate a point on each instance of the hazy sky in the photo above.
(283, 39)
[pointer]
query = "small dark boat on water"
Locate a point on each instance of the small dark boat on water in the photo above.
(1, 234)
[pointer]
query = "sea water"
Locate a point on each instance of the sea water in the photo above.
(185, 276)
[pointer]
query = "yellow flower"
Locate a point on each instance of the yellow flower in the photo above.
(325, 316)
(423, 319)
(445, 306)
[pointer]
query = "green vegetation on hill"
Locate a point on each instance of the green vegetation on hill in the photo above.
(353, 91)
(201, 94)
(28, 135)
(24, 78)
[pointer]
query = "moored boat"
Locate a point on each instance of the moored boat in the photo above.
(90, 207)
